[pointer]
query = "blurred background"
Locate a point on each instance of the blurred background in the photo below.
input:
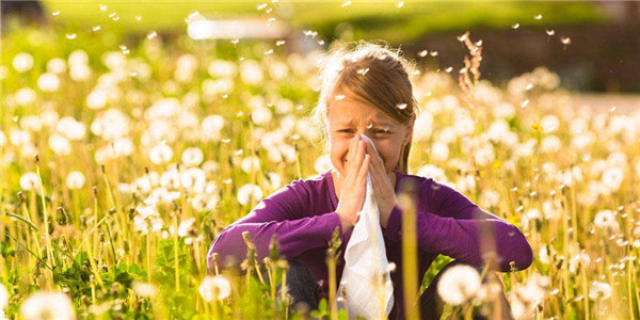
(593, 45)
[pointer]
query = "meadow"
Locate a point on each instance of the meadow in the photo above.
(121, 159)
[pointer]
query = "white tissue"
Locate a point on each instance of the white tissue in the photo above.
(366, 262)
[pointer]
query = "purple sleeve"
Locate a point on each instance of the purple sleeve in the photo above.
(284, 213)
(453, 226)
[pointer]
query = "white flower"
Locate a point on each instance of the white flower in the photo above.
(431, 171)
(192, 156)
(439, 151)
(214, 287)
(185, 226)
(56, 65)
(551, 144)
(580, 259)
(250, 164)
(612, 178)
(144, 289)
(599, 290)
(423, 126)
(458, 284)
(251, 72)
(261, 116)
(96, 99)
(25, 96)
(75, 180)
(30, 182)
(4, 297)
(48, 306)
(484, 155)
(23, 62)
(489, 198)
(549, 123)
(606, 219)
(160, 154)
(323, 163)
(48, 82)
(70, 128)
(248, 192)
(275, 179)
(59, 144)
(222, 68)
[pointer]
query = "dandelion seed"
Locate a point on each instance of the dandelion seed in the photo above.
(612, 109)
(462, 38)
(70, 36)
(369, 125)
(321, 42)
(565, 40)
(214, 288)
(529, 86)
(261, 6)
(235, 41)
(401, 106)
(362, 71)
(463, 71)
(280, 43)
(47, 305)
(138, 18)
(30, 182)
(75, 180)
(96, 28)
(423, 53)
(448, 70)
(143, 289)
(346, 4)
(478, 43)
(268, 52)
(400, 4)
(152, 35)
(538, 17)
(458, 284)
(55, 13)
(550, 32)
(515, 26)
(599, 290)
(248, 192)
(524, 103)
(103, 7)
(434, 53)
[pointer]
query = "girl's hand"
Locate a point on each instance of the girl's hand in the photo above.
(353, 186)
(383, 188)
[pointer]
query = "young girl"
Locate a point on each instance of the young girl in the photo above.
(367, 91)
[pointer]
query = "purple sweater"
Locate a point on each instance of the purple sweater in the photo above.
(303, 216)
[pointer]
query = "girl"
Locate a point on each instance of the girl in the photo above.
(367, 91)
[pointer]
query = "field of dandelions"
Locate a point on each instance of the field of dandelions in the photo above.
(121, 159)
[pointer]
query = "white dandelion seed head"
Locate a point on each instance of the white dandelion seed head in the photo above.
(434, 172)
(251, 72)
(185, 226)
(4, 297)
(323, 163)
(160, 154)
(612, 178)
(70, 128)
(214, 288)
(144, 289)
(193, 179)
(97, 99)
(580, 259)
(439, 151)
(261, 116)
(192, 156)
(75, 180)
(25, 96)
(222, 69)
(22, 62)
(599, 290)
(248, 192)
(250, 164)
(48, 305)
(30, 182)
(56, 65)
(59, 145)
(31, 123)
(459, 284)
(606, 219)
(48, 82)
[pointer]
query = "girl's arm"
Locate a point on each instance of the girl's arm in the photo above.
(455, 226)
(282, 213)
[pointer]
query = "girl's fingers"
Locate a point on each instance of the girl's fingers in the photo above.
(362, 173)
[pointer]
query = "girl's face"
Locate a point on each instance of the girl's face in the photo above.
(348, 116)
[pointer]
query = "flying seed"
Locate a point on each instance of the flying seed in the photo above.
(423, 53)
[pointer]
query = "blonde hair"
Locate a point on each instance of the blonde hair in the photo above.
(386, 84)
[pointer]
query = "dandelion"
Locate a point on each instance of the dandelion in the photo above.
(185, 227)
(22, 62)
(612, 178)
(550, 32)
(160, 154)
(214, 288)
(192, 156)
(25, 96)
(152, 35)
(248, 192)
(599, 291)
(579, 260)
(4, 297)
(251, 72)
(144, 289)
(70, 128)
(458, 284)
(59, 144)
(565, 40)
(250, 164)
(439, 151)
(606, 219)
(48, 305)
(75, 180)
(423, 53)
(30, 182)
(261, 116)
